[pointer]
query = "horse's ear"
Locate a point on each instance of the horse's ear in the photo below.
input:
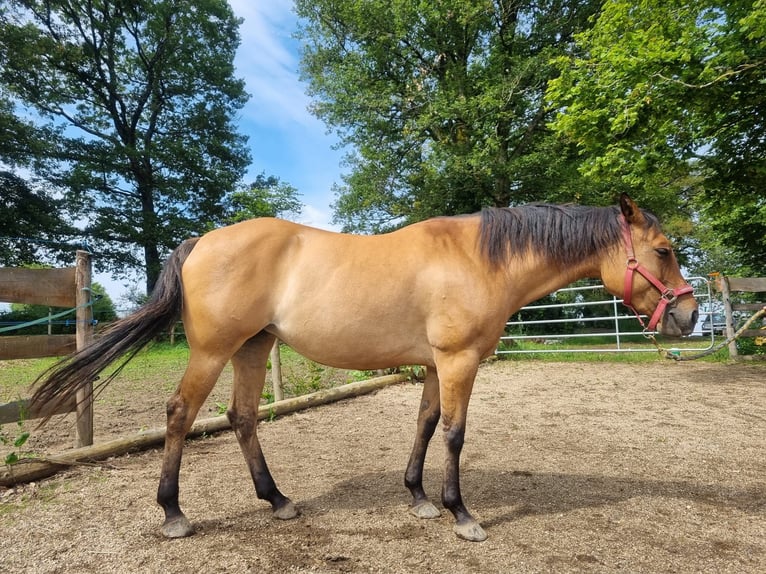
(630, 210)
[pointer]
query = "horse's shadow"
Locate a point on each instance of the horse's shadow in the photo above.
(531, 493)
(506, 496)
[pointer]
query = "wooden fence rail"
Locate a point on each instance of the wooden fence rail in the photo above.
(68, 287)
(729, 285)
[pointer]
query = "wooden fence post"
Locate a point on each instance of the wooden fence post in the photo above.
(276, 372)
(84, 337)
(726, 296)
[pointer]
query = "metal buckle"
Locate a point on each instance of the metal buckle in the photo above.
(669, 295)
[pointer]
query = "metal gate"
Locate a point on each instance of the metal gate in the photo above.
(584, 318)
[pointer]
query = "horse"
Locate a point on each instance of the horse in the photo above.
(435, 293)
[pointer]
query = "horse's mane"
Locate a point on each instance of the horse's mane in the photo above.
(562, 233)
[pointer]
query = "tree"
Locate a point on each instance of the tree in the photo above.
(442, 102)
(267, 196)
(676, 108)
(141, 98)
(21, 141)
(31, 222)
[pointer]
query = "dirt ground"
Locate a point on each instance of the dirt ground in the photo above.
(570, 467)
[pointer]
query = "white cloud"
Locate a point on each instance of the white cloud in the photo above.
(285, 139)
(268, 61)
(316, 217)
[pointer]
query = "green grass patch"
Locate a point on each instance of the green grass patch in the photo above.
(16, 377)
(159, 362)
(161, 365)
(635, 349)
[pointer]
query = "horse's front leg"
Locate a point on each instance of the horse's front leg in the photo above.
(456, 377)
(428, 418)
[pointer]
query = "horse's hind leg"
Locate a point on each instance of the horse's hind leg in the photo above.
(182, 408)
(428, 418)
(249, 376)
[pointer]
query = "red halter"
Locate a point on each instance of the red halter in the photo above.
(667, 295)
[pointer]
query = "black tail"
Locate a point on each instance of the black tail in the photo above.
(60, 383)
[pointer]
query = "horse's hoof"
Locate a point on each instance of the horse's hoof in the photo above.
(425, 510)
(179, 527)
(287, 511)
(470, 531)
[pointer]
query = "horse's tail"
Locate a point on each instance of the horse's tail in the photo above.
(59, 384)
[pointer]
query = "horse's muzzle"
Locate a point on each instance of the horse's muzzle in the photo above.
(679, 319)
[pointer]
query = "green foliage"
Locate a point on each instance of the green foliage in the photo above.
(748, 346)
(674, 110)
(138, 99)
(15, 441)
(265, 197)
(442, 101)
(301, 376)
(30, 219)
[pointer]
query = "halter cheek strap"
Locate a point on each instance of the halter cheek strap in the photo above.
(667, 295)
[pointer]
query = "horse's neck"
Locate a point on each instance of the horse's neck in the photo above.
(533, 277)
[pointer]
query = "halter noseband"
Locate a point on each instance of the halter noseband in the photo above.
(667, 295)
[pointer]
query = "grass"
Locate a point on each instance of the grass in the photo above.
(648, 352)
(161, 365)
(16, 376)
(160, 362)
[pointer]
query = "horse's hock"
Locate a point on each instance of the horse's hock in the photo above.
(729, 285)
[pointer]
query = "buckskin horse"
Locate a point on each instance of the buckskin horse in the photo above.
(435, 293)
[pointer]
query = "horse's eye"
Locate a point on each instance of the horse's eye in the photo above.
(662, 251)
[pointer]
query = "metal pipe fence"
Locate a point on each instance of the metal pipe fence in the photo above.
(585, 310)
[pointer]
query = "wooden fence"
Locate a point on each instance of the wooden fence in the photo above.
(729, 285)
(68, 287)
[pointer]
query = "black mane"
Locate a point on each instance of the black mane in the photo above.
(562, 233)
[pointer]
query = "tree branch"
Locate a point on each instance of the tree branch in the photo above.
(729, 73)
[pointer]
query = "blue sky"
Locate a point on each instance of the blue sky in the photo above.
(285, 139)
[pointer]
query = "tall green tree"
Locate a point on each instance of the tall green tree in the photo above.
(31, 223)
(676, 108)
(22, 142)
(267, 196)
(442, 102)
(142, 99)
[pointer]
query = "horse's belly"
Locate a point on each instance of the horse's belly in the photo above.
(354, 344)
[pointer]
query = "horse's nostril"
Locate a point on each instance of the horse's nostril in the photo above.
(695, 316)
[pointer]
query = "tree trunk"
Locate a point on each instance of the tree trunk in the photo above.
(153, 265)
(150, 232)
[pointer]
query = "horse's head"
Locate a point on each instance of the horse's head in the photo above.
(646, 274)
